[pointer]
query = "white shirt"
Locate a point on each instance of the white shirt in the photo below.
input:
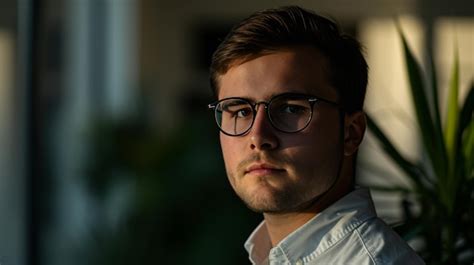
(347, 232)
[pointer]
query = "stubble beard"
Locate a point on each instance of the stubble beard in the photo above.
(270, 199)
(292, 198)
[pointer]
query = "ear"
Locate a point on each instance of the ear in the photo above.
(354, 130)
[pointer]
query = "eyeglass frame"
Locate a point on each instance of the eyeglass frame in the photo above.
(311, 99)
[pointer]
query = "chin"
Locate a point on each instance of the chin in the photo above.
(267, 201)
(263, 208)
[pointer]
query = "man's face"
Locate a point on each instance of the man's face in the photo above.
(273, 171)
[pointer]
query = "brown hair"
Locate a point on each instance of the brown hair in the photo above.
(270, 30)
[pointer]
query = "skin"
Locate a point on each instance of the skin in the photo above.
(289, 177)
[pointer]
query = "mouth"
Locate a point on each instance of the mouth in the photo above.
(263, 169)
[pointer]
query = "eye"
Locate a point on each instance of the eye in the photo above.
(242, 113)
(237, 110)
(292, 109)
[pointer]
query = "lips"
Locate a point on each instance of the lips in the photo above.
(262, 169)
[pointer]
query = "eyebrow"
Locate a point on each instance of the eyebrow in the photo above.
(234, 103)
(271, 96)
(274, 94)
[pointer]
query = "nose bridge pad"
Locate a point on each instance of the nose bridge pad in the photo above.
(265, 109)
(257, 105)
(265, 119)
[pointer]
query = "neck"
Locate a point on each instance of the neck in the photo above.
(280, 225)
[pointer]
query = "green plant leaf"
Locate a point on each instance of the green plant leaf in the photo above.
(414, 174)
(417, 87)
(467, 110)
(433, 147)
(435, 99)
(452, 113)
(438, 131)
(465, 131)
(468, 151)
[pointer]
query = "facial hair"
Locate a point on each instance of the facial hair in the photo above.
(281, 200)
(295, 196)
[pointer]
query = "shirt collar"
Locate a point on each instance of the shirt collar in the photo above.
(319, 233)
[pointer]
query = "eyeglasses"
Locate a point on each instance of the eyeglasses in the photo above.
(288, 112)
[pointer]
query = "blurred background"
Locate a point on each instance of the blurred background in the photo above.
(108, 154)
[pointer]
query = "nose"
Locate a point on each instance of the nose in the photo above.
(262, 135)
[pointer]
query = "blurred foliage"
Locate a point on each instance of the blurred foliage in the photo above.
(443, 185)
(182, 210)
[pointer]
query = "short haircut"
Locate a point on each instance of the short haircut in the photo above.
(272, 30)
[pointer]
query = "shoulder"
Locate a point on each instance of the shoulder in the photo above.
(383, 245)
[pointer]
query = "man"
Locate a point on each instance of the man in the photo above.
(290, 89)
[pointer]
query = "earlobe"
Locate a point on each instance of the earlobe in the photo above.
(355, 124)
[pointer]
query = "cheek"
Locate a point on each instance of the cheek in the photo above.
(317, 145)
(229, 151)
(315, 139)
(325, 130)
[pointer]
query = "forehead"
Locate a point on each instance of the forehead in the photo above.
(299, 69)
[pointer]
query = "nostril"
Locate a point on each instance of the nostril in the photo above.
(262, 146)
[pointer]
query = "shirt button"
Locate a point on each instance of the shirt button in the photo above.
(299, 262)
